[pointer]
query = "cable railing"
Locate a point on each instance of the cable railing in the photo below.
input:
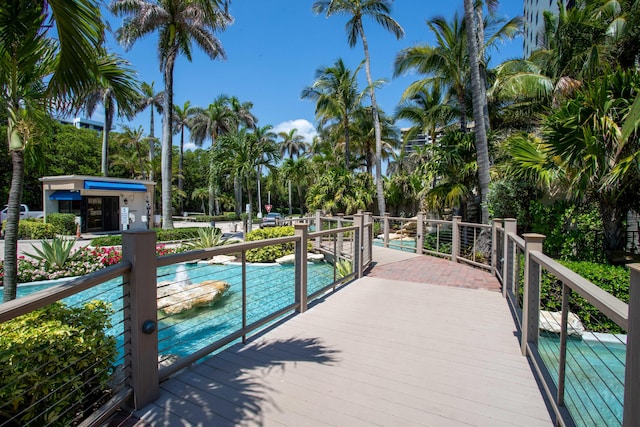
(578, 338)
(154, 316)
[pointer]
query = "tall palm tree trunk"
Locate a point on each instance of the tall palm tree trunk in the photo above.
(167, 137)
(346, 143)
(290, 200)
(10, 280)
(152, 145)
(482, 148)
(483, 72)
(376, 126)
(105, 139)
(181, 170)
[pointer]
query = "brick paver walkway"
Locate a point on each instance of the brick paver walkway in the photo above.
(436, 271)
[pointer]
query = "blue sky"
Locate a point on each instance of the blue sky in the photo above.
(274, 48)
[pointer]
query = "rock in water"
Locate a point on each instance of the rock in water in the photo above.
(176, 298)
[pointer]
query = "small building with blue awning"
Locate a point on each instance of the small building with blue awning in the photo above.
(101, 204)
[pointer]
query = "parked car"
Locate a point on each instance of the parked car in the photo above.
(271, 220)
(25, 212)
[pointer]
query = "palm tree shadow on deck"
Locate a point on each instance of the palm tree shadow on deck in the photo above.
(233, 387)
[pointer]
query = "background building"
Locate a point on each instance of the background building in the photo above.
(81, 122)
(534, 21)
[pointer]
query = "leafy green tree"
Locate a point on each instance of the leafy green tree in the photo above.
(341, 191)
(379, 11)
(133, 141)
(177, 30)
(335, 91)
(294, 144)
(116, 89)
(36, 69)
(364, 139)
(297, 170)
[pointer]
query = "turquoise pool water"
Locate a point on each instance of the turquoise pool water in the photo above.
(269, 288)
(594, 390)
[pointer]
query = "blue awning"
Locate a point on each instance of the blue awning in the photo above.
(112, 185)
(65, 195)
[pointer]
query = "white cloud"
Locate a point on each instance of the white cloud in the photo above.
(304, 127)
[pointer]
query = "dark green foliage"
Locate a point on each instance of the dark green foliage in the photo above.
(64, 223)
(571, 230)
(512, 199)
(271, 253)
(612, 279)
(34, 229)
(162, 236)
(55, 359)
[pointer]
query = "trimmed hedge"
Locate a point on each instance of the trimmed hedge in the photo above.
(55, 363)
(65, 223)
(273, 252)
(35, 229)
(186, 233)
(613, 279)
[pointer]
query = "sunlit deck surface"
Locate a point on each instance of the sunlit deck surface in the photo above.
(419, 341)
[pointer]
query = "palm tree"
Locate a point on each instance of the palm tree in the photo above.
(181, 119)
(178, 23)
(445, 64)
(132, 140)
(482, 146)
(116, 89)
(297, 170)
(364, 141)
(152, 100)
(335, 91)
(379, 11)
(47, 54)
(292, 143)
(264, 136)
(589, 149)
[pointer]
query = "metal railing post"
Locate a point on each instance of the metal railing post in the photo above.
(531, 295)
(497, 222)
(301, 230)
(509, 254)
(386, 229)
(358, 221)
(631, 412)
(455, 238)
(368, 229)
(420, 233)
(141, 316)
(340, 237)
(318, 224)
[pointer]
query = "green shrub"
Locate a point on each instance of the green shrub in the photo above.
(177, 234)
(63, 222)
(33, 229)
(613, 279)
(186, 233)
(54, 363)
(273, 252)
(55, 254)
(114, 240)
(230, 216)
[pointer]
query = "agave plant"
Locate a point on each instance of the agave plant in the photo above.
(209, 237)
(343, 268)
(55, 253)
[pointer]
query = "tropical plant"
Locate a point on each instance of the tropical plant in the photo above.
(335, 91)
(343, 268)
(379, 11)
(341, 191)
(152, 100)
(182, 118)
(55, 253)
(132, 140)
(584, 146)
(116, 89)
(47, 55)
(177, 29)
(209, 237)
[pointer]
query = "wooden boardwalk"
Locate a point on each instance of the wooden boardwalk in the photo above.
(402, 351)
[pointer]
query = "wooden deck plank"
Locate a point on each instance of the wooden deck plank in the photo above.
(377, 352)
